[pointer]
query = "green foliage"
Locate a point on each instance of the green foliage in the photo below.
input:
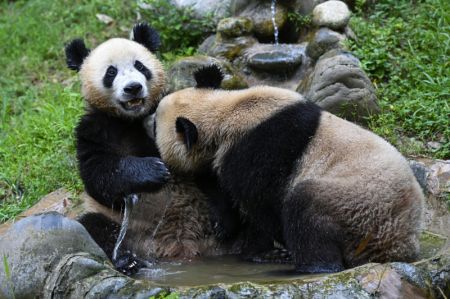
(40, 100)
(405, 46)
(298, 20)
(40, 97)
(165, 295)
(180, 31)
(10, 284)
(359, 5)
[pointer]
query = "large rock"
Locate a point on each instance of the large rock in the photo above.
(333, 14)
(181, 72)
(228, 48)
(261, 14)
(305, 7)
(324, 40)
(339, 85)
(275, 58)
(204, 8)
(34, 245)
(234, 27)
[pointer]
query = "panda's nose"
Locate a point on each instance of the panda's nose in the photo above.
(133, 88)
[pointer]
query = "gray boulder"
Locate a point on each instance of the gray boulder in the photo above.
(228, 48)
(332, 14)
(261, 15)
(34, 246)
(324, 40)
(275, 58)
(234, 27)
(203, 8)
(339, 85)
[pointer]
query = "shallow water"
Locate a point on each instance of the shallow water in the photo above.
(210, 270)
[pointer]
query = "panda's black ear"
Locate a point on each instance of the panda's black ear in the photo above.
(209, 76)
(188, 130)
(147, 36)
(76, 52)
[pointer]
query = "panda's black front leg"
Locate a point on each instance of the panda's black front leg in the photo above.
(141, 174)
(312, 236)
(108, 178)
(224, 216)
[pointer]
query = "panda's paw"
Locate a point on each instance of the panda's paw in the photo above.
(129, 263)
(277, 256)
(157, 174)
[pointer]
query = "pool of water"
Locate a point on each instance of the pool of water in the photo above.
(210, 270)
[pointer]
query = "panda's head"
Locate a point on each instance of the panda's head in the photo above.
(195, 127)
(120, 76)
(183, 123)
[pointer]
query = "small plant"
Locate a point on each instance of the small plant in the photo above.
(299, 21)
(8, 276)
(165, 295)
(181, 32)
(359, 5)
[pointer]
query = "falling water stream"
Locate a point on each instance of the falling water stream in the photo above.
(130, 201)
(275, 27)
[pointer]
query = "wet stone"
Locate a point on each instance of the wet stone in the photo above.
(421, 172)
(261, 15)
(278, 58)
(324, 40)
(234, 27)
(332, 14)
(228, 48)
(340, 86)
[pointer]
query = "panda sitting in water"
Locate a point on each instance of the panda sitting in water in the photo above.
(335, 194)
(122, 83)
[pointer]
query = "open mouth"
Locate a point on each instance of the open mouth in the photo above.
(133, 104)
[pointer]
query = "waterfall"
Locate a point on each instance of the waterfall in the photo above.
(275, 27)
(130, 201)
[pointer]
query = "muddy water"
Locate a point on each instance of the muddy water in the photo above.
(210, 270)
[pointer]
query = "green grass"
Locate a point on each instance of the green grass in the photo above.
(405, 48)
(40, 98)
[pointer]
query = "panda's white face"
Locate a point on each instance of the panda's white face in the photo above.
(123, 77)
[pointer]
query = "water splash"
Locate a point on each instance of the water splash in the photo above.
(130, 201)
(275, 27)
(163, 213)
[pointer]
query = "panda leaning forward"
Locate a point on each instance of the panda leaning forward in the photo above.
(335, 194)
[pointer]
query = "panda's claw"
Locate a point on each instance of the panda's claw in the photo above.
(157, 172)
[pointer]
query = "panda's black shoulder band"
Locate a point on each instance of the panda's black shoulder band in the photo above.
(145, 35)
(210, 76)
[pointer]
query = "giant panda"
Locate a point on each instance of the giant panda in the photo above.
(122, 82)
(335, 194)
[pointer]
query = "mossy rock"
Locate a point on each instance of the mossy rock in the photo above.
(227, 48)
(261, 15)
(234, 27)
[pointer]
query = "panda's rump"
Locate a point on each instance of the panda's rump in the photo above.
(378, 224)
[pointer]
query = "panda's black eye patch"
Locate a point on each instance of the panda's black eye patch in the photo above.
(143, 69)
(109, 76)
